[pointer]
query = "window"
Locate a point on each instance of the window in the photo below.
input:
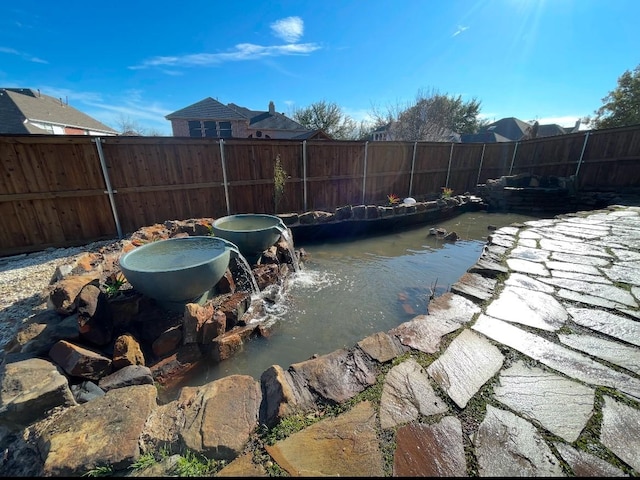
(195, 129)
(209, 128)
(224, 129)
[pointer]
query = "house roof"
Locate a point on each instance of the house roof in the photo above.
(207, 108)
(510, 127)
(550, 130)
(483, 137)
(20, 106)
(258, 119)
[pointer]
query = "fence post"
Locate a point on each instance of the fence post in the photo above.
(584, 147)
(484, 145)
(224, 177)
(304, 173)
(364, 176)
(513, 159)
(107, 182)
(413, 166)
(446, 184)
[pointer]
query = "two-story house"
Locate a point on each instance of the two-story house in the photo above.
(27, 111)
(210, 118)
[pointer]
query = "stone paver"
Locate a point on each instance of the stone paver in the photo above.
(430, 450)
(561, 405)
(608, 323)
(581, 277)
(572, 267)
(580, 259)
(509, 446)
(406, 394)
(527, 267)
(531, 254)
(617, 353)
(621, 431)
(343, 446)
(465, 366)
(609, 292)
(525, 281)
(527, 307)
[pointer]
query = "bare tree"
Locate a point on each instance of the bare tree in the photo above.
(328, 117)
(129, 127)
(430, 117)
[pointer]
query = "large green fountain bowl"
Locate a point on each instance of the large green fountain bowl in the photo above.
(252, 233)
(177, 269)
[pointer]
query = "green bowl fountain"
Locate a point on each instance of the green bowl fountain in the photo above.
(252, 233)
(177, 270)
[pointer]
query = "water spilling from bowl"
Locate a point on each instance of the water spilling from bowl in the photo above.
(177, 270)
(253, 233)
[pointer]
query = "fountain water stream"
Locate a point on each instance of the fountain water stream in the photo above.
(246, 271)
(284, 232)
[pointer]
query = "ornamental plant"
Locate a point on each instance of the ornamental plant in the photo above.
(113, 283)
(393, 199)
(447, 192)
(279, 180)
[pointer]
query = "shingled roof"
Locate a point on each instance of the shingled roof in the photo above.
(212, 109)
(483, 137)
(510, 127)
(204, 109)
(21, 106)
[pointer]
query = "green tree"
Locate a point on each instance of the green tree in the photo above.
(431, 117)
(328, 117)
(621, 107)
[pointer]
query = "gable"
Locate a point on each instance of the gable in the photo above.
(206, 109)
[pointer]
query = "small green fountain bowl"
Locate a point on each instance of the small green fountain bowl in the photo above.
(252, 233)
(177, 269)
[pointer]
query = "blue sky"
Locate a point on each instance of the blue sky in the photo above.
(546, 60)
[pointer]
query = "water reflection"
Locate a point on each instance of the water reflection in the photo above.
(347, 290)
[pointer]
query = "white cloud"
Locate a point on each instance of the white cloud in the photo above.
(460, 30)
(289, 29)
(25, 56)
(242, 51)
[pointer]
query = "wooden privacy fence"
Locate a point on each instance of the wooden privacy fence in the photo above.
(58, 191)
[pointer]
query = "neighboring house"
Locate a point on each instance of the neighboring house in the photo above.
(482, 137)
(511, 129)
(210, 118)
(381, 134)
(26, 111)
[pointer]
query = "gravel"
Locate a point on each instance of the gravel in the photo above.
(24, 280)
